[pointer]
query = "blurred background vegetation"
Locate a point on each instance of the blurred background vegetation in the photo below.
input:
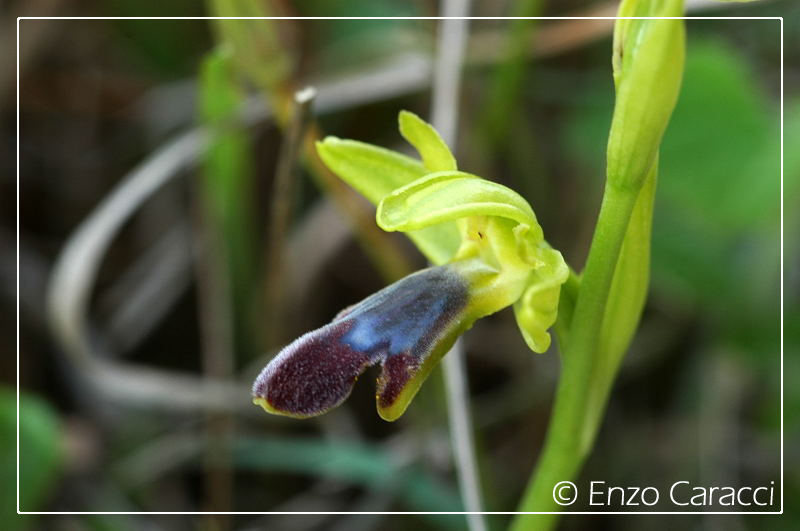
(221, 265)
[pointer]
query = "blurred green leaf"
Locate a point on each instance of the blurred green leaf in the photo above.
(227, 173)
(502, 105)
(168, 48)
(716, 228)
(40, 454)
(360, 8)
(722, 148)
(359, 464)
(348, 43)
(254, 43)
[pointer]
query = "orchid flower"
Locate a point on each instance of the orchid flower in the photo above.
(489, 253)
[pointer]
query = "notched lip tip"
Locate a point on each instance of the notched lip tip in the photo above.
(388, 418)
(390, 413)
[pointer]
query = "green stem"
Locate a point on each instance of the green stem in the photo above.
(568, 440)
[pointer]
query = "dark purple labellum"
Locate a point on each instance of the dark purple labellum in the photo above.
(405, 327)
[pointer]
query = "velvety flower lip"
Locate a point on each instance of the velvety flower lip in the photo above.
(406, 327)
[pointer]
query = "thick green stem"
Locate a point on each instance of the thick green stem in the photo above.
(568, 440)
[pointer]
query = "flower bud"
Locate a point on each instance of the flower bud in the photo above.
(648, 63)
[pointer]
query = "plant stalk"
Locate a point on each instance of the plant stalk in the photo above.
(568, 440)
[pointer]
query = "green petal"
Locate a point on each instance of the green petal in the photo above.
(446, 196)
(436, 156)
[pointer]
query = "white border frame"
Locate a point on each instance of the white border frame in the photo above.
(566, 513)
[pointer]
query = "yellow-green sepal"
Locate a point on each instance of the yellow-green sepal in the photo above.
(374, 172)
